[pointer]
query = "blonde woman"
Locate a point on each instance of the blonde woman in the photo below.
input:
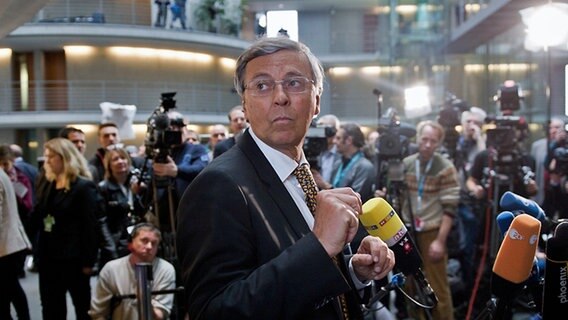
(65, 220)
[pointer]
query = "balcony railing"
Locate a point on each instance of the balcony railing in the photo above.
(140, 13)
(87, 95)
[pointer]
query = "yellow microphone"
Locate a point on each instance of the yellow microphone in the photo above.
(380, 220)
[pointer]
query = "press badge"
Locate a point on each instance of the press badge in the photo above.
(48, 223)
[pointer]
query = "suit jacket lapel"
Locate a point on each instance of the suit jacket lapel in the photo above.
(274, 186)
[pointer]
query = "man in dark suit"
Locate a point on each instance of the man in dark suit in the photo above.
(249, 245)
(237, 123)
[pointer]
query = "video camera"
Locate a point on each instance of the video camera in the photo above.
(449, 117)
(394, 137)
(159, 138)
(509, 130)
(316, 142)
(393, 146)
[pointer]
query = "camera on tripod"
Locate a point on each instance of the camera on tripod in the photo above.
(316, 142)
(509, 130)
(393, 146)
(159, 137)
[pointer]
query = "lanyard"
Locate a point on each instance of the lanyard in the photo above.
(341, 172)
(421, 179)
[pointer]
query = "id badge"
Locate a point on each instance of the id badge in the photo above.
(48, 223)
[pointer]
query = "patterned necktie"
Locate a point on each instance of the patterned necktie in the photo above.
(304, 176)
(308, 184)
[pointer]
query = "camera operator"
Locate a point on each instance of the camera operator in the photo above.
(539, 151)
(469, 144)
(184, 162)
(556, 200)
(480, 171)
(328, 157)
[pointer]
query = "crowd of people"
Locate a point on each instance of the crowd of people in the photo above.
(241, 224)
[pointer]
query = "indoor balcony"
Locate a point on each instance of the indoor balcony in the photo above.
(57, 103)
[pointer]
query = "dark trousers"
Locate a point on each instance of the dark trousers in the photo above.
(12, 292)
(55, 279)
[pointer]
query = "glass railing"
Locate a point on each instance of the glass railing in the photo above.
(80, 96)
(141, 13)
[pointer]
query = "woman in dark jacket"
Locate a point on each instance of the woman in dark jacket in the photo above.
(65, 220)
(120, 206)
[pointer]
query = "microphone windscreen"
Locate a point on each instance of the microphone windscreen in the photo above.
(561, 231)
(557, 246)
(514, 260)
(514, 202)
(380, 220)
(504, 220)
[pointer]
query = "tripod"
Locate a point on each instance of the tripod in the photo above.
(165, 222)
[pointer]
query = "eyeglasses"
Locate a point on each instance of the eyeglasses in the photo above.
(265, 87)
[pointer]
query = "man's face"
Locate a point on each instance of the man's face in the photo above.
(341, 141)
(218, 133)
(428, 142)
(108, 136)
(78, 140)
(281, 119)
(471, 125)
(145, 245)
(555, 128)
(238, 121)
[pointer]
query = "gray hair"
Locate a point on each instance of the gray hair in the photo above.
(266, 46)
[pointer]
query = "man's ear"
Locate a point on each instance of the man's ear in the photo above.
(243, 103)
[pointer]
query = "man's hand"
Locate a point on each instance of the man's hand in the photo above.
(336, 218)
(531, 187)
(436, 251)
(478, 192)
(381, 193)
(373, 260)
(168, 169)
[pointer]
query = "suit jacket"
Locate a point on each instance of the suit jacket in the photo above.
(73, 237)
(223, 146)
(245, 250)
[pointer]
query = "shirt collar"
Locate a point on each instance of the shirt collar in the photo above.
(281, 163)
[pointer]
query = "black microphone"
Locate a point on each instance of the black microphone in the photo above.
(555, 295)
(380, 220)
